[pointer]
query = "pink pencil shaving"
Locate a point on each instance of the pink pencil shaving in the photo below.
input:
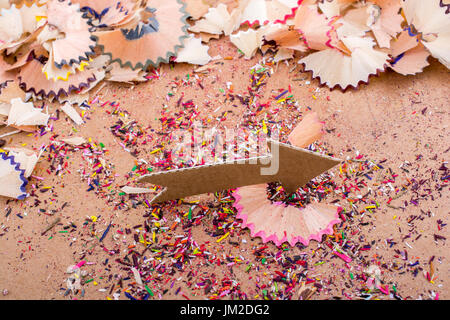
(343, 256)
(384, 290)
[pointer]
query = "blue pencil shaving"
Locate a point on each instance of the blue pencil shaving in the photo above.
(104, 233)
(281, 94)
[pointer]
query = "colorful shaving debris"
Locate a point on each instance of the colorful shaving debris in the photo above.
(190, 249)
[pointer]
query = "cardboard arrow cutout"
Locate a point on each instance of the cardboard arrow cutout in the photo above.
(291, 166)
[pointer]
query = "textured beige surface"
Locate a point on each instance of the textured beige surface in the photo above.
(382, 121)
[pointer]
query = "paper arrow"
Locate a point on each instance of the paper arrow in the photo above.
(292, 166)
